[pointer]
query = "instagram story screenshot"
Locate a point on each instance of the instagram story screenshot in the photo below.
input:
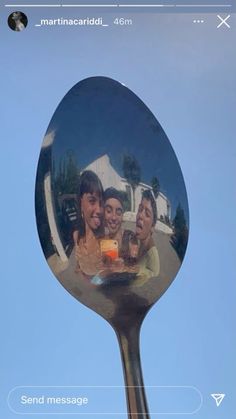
(118, 157)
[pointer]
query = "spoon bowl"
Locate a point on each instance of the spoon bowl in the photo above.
(112, 211)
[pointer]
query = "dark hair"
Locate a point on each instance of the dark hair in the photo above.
(89, 183)
(147, 194)
(115, 194)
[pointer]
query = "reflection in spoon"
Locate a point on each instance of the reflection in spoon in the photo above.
(112, 212)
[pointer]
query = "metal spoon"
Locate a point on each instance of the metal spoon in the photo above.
(102, 127)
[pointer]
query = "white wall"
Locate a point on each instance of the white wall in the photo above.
(109, 177)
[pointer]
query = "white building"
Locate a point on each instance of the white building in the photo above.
(109, 177)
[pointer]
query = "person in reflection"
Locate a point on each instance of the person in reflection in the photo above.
(113, 217)
(149, 263)
(113, 214)
(90, 224)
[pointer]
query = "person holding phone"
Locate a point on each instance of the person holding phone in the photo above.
(113, 217)
(113, 214)
(126, 239)
(90, 224)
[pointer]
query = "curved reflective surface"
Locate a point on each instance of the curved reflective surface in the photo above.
(111, 208)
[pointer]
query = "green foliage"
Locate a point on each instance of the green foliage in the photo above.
(155, 186)
(126, 200)
(180, 236)
(67, 176)
(132, 172)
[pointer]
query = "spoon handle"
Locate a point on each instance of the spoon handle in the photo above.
(135, 392)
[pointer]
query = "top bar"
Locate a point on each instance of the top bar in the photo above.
(172, 5)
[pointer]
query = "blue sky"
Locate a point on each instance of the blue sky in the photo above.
(185, 74)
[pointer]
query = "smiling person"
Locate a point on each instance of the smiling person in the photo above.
(113, 214)
(126, 240)
(149, 263)
(90, 225)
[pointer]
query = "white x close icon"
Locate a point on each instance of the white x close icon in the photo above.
(223, 21)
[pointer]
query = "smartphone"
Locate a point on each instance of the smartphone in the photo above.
(109, 248)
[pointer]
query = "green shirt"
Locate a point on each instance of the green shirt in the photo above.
(149, 264)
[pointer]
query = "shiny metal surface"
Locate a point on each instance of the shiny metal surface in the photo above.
(90, 128)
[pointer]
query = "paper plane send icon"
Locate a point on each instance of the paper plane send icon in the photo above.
(218, 398)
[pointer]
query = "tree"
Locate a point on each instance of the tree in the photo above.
(180, 236)
(132, 172)
(72, 175)
(66, 184)
(67, 176)
(179, 221)
(126, 200)
(155, 186)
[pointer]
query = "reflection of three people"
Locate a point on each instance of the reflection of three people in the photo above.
(101, 217)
